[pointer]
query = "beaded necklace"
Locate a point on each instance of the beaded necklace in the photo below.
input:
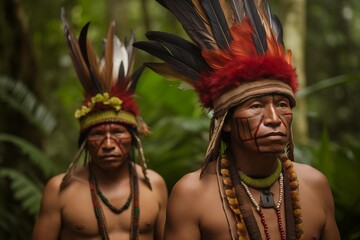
(276, 207)
(134, 196)
(262, 182)
(107, 202)
(239, 206)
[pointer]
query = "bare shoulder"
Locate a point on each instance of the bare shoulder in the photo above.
(53, 185)
(155, 178)
(189, 186)
(317, 203)
(309, 174)
(312, 180)
(184, 195)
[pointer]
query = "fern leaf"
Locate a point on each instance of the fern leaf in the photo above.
(21, 99)
(25, 190)
(36, 156)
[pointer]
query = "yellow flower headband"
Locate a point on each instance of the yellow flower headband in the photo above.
(104, 98)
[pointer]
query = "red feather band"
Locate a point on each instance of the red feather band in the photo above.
(239, 71)
(242, 64)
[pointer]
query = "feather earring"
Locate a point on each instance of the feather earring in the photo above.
(70, 170)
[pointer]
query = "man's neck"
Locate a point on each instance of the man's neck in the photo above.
(110, 176)
(255, 164)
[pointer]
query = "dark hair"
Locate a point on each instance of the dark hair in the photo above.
(225, 136)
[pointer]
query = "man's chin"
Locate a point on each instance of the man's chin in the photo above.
(272, 148)
(110, 165)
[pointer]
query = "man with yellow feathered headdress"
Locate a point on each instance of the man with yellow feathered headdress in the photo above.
(111, 196)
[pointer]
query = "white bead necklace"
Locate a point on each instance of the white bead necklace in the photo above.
(277, 209)
(281, 191)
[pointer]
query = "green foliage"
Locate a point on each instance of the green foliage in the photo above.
(23, 182)
(341, 165)
(25, 191)
(179, 127)
(329, 83)
(36, 156)
(21, 99)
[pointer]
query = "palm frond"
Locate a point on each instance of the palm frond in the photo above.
(328, 83)
(25, 191)
(21, 99)
(35, 154)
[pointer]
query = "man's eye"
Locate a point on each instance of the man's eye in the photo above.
(117, 131)
(98, 133)
(283, 104)
(255, 105)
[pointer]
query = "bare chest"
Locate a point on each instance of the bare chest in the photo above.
(313, 214)
(217, 220)
(80, 219)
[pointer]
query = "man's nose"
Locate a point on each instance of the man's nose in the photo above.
(109, 143)
(271, 117)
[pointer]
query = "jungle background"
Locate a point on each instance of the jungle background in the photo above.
(39, 93)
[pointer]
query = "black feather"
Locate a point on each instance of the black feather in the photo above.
(218, 22)
(159, 50)
(135, 78)
(121, 71)
(75, 56)
(259, 36)
(277, 28)
(176, 40)
(238, 8)
(192, 23)
(83, 48)
(181, 49)
(274, 22)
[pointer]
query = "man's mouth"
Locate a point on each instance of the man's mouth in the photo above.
(273, 134)
(110, 157)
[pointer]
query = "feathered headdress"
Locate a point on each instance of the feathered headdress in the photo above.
(108, 82)
(237, 53)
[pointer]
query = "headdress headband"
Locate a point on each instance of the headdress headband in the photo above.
(237, 53)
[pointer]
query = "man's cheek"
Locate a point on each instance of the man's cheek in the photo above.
(287, 120)
(247, 128)
(93, 147)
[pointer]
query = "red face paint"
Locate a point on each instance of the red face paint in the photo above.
(109, 144)
(262, 124)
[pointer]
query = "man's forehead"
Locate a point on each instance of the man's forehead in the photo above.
(104, 126)
(276, 96)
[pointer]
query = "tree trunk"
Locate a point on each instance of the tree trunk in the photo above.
(20, 64)
(294, 25)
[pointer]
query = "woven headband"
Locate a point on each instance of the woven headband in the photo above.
(249, 90)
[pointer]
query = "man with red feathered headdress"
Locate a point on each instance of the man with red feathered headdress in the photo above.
(249, 186)
(111, 196)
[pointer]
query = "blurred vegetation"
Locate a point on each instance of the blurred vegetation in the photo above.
(39, 93)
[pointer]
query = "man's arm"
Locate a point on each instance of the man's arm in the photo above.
(160, 189)
(330, 229)
(48, 224)
(182, 215)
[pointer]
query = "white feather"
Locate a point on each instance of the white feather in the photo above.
(120, 55)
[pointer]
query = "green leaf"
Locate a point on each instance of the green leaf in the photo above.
(20, 98)
(25, 191)
(328, 83)
(36, 155)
